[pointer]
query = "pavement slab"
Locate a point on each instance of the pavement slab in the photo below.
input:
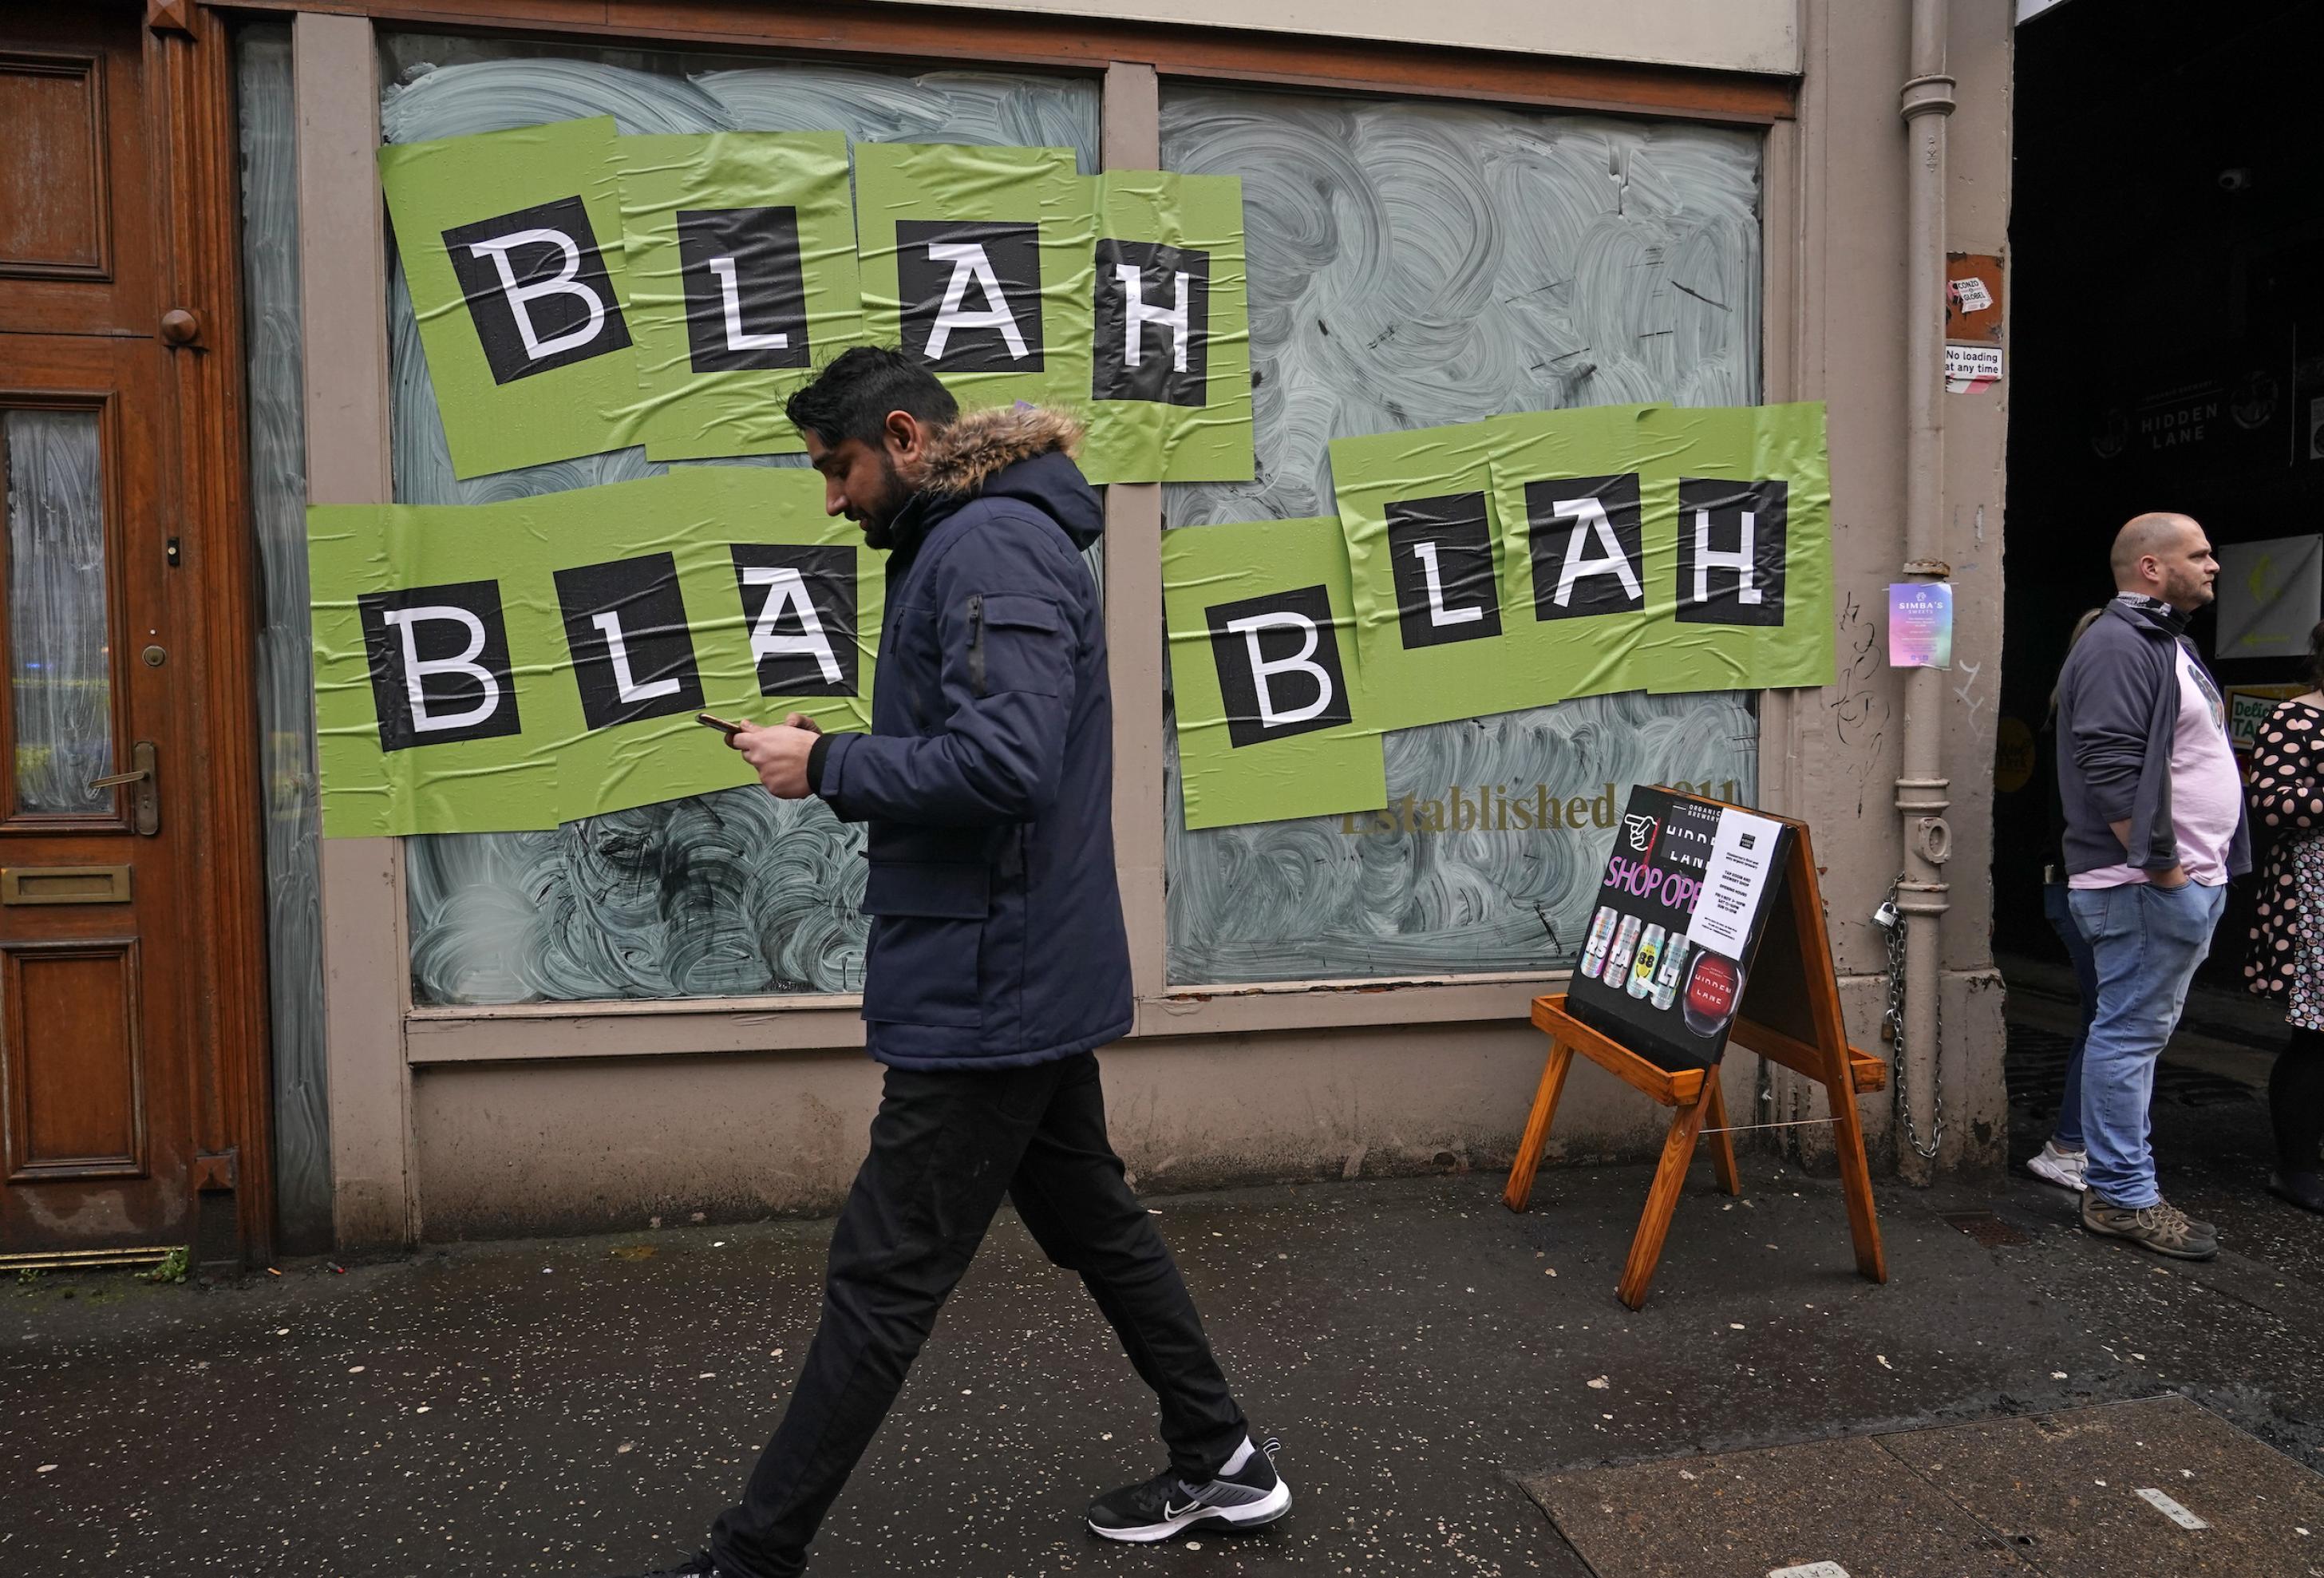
(1747, 1514)
(2106, 1492)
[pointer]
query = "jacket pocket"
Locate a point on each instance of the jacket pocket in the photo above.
(927, 935)
(930, 889)
(1016, 641)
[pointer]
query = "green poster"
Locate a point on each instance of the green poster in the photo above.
(1170, 353)
(1272, 720)
(1748, 491)
(1421, 530)
(1585, 543)
(489, 667)
(739, 259)
(511, 247)
(1520, 561)
(978, 262)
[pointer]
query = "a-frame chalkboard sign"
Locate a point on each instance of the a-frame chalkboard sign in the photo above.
(1710, 929)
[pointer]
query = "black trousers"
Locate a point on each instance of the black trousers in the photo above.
(2295, 1100)
(946, 1147)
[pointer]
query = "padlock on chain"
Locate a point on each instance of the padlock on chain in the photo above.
(1886, 916)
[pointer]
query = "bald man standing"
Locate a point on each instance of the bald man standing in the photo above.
(2155, 827)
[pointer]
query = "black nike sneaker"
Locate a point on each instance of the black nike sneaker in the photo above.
(1165, 1505)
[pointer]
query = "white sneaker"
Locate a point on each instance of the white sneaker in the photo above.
(2068, 1169)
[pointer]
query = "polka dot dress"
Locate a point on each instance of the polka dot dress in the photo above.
(2286, 957)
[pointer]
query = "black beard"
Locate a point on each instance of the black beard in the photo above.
(879, 520)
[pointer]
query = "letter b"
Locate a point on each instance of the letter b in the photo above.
(536, 289)
(439, 665)
(1278, 665)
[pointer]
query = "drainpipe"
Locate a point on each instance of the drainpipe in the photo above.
(1920, 790)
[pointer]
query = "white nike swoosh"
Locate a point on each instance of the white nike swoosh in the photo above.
(1169, 1512)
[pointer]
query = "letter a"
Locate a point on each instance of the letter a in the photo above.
(787, 589)
(417, 669)
(1263, 670)
(563, 284)
(970, 266)
(1589, 517)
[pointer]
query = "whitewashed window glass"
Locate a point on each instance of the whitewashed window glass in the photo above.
(59, 642)
(726, 893)
(1418, 264)
(267, 127)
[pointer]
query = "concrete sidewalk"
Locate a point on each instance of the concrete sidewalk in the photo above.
(584, 1407)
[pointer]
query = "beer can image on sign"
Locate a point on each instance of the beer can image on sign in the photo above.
(1601, 936)
(1713, 987)
(1674, 965)
(1642, 969)
(1626, 943)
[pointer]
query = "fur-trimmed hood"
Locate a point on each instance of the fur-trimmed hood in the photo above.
(962, 458)
(1019, 452)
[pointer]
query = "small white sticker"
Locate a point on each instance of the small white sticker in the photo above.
(1969, 368)
(2171, 1509)
(1811, 1570)
(1971, 295)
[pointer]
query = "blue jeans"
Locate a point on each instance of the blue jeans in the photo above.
(2068, 1133)
(2148, 941)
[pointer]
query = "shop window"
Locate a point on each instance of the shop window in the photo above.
(731, 893)
(1418, 264)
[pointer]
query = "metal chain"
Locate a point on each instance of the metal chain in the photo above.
(1893, 1018)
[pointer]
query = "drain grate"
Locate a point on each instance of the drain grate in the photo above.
(1988, 1229)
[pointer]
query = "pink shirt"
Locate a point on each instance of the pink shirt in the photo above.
(2207, 788)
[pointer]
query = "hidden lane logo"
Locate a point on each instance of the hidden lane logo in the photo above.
(1508, 808)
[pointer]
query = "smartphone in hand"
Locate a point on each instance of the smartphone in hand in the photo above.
(712, 721)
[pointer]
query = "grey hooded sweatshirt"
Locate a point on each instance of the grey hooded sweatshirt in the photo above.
(2117, 717)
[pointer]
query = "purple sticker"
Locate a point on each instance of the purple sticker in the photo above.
(1920, 625)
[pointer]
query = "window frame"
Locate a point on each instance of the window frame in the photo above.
(363, 887)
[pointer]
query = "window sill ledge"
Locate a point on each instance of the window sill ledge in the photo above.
(1314, 1005)
(699, 1026)
(633, 1027)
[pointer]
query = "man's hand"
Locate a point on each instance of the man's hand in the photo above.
(2176, 877)
(779, 756)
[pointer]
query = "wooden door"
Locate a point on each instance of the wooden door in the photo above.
(122, 1086)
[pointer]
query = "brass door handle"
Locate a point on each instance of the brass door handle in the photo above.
(145, 801)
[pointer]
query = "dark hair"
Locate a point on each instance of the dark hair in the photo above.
(852, 396)
(2313, 670)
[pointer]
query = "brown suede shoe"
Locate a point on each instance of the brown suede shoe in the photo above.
(2161, 1227)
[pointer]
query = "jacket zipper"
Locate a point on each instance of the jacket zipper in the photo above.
(976, 645)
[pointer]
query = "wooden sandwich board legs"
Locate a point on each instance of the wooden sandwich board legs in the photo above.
(1722, 1139)
(1790, 1015)
(1694, 1098)
(1537, 1131)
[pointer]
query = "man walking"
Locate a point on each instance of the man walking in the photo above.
(998, 958)
(2155, 827)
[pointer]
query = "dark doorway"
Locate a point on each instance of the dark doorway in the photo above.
(2167, 342)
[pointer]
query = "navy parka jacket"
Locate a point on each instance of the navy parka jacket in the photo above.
(987, 779)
